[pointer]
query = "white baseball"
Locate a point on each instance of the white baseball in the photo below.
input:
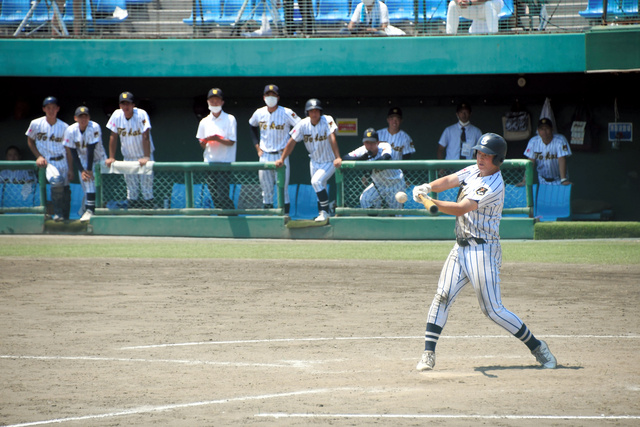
(401, 196)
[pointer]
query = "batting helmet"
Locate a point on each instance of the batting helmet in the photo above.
(313, 104)
(494, 145)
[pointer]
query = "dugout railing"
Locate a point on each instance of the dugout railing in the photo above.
(186, 188)
(23, 187)
(355, 176)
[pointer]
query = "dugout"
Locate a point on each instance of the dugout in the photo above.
(426, 77)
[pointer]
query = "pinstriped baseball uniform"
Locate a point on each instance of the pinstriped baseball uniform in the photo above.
(316, 140)
(476, 263)
(75, 138)
(49, 142)
(130, 133)
(274, 135)
(400, 142)
(546, 157)
(386, 182)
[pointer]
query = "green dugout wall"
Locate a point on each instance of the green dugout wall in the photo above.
(355, 78)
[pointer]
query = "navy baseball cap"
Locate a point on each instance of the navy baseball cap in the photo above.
(50, 100)
(271, 88)
(545, 122)
(370, 135)
(395, 111)
(81, 110)
(126, 97)
(215, 92)
(463, 106)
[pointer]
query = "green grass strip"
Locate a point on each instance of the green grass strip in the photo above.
(619, 252)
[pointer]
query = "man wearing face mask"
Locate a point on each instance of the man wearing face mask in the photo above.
(370, 17)
(270, 126)
(217, 136)
(456, 140)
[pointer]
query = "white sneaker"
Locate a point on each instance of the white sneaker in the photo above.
(544, 357)
(322, 217)
(57, 218)
(86, 216)
(427, 362)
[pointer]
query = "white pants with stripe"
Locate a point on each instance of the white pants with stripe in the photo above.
(479, 265)
(268, 178)
(320, 174)
(137, 183)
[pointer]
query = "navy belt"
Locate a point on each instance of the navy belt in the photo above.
(272, 152)
(549, 179)
(465, 242)
(53, 159)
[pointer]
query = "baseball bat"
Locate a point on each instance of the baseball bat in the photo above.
(428, 204)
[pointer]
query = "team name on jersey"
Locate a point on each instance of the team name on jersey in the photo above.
(123, 132)
(265, 126)
(310, 138)
(42, 136)
(548, 156)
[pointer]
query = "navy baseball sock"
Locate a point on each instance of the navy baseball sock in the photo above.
(323, 200)
(525, 335)
(431, 336)
(90, 205)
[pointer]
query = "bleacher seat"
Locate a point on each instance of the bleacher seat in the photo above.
(69, 15)
(103, 11)
(230, 10)
(619, 9)
(333, 12)
(306, 202)
(400, 11)
(138, 1)
(259, 8)
(206, 11)
(552, 202)
(14, 11)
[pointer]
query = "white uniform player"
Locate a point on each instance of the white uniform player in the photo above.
(476, 257)
(369, 16)
(385, 183)
(133, 127)
(484, 13)
(400, 141)
(549, 152)
(318, 133)
(45, 139)
(84, 141)
(270, 129)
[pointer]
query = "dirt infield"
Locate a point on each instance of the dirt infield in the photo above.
(120, 342)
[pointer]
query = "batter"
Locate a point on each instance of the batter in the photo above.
(477, 256)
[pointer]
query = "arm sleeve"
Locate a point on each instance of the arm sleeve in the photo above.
(385, 156)
(76, 159)
(406, 156)
(91, 148)
(255, 135)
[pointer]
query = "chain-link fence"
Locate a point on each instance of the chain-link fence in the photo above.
(281, 18)
(369, 187)
(22, 187)
(189, 188)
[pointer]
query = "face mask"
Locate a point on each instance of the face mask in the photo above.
(271, 101)
(463, 124)
(215, 108)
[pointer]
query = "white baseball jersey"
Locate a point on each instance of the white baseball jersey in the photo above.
(546, 157)
(130, 132)
(381, 177)
(274, 127)
(224, 125)
(400, 142)
(488, 192)
(49, 139)
(75, 138)
(316, 138)
(455, 149)
(379, 15)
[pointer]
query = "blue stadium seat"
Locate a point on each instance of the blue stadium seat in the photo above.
(68, 12)
(14, 11)
(616, 8)
(230, 10)
(138, 1)
(333, 11)
(103, 11)
(306, 206)
(432, 10)
(552, 202)
(400, 11)
(207, 11)
(258, 8)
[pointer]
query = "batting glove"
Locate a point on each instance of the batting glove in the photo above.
(423, 190)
